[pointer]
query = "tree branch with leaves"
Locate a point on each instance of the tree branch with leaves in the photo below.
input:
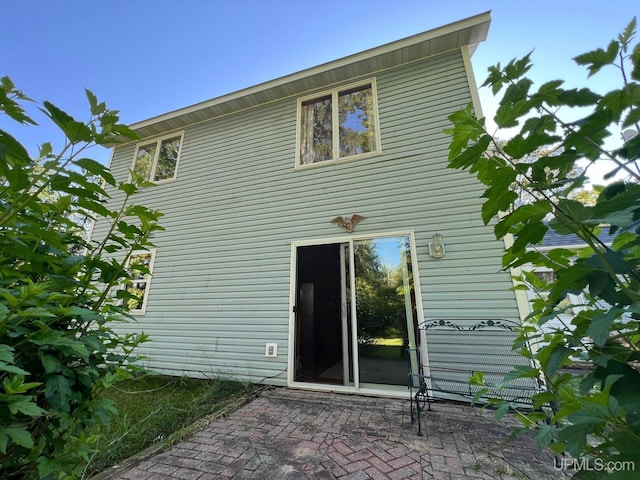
(61, 294)
(598, 409)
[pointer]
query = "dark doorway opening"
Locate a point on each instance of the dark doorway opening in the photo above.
(319, 314)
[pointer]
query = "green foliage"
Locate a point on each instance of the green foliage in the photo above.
(597, 408)
(58, 351)
(154, 409)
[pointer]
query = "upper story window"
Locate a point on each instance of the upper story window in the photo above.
(140, 268)
(339, 124)
(157, 159)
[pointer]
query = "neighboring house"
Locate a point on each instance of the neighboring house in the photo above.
(572, 304)
(256, 277)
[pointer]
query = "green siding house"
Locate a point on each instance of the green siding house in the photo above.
(312, 222)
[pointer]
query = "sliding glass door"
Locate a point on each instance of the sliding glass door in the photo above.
(355, 312)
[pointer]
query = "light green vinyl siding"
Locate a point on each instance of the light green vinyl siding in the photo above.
(221, 283)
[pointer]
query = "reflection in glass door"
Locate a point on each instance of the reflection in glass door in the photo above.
(385, 309)
(355, 312)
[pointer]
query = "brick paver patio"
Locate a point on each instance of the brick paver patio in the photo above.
(294, 434)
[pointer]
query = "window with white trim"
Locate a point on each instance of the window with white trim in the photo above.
(338, 124)
(157, 160)
(140, 268)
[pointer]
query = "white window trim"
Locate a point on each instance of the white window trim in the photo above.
(143, 309)
(334, 98)
(158, 141)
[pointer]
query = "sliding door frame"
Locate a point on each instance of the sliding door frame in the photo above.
(350, 239)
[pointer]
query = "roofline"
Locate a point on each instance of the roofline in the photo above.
(480, 24)
(571, 246)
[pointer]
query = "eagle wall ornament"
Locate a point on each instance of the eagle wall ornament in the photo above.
(348, 223)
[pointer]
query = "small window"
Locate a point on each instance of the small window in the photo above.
(157, 160)
(140, 268)
(336, 125)
(568, 304)
(546, 275)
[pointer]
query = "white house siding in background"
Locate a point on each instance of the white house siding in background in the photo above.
(222, 281)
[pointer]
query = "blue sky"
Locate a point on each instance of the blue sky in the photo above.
(148, 57)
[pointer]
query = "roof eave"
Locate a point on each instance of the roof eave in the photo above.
(470, 32)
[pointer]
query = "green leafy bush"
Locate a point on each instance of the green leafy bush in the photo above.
(59, 294)
(598, 409)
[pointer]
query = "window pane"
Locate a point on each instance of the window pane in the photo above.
(139, 265)
(316, 131)
(356, 121)
(565, 305)
(138, 289)
(144, 160)
(139, 269)
(167, 159)
(385, 308)
(548, 277)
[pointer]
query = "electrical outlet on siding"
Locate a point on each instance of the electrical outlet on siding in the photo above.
(271, 350)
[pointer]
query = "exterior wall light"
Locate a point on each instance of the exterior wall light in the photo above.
(436, 247)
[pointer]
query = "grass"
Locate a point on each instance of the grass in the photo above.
(395, 341)
(389, 352)
(152, 409)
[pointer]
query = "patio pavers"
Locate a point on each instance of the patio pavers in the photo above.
(296, 434)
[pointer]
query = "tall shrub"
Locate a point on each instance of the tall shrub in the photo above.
(598, 410)
(59, 292)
